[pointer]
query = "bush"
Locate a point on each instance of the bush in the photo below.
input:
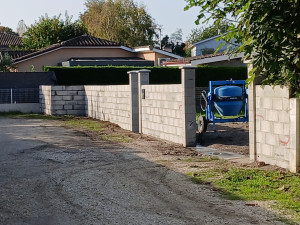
(117, 75)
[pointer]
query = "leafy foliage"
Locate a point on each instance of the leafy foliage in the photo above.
(47, 31)
(199, 34)
(122, 21)
(7, 30)
(6, 63)
(174, 42)
(113, 75)
(269, 31)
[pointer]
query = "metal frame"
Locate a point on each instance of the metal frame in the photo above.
(209, 112)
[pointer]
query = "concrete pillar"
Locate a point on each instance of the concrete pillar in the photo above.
(188, 78)
(134, 100)
(252, 114)
(143, 79)
(294, 135)
(252, 117)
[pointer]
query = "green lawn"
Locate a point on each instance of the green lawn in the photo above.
(283, 188)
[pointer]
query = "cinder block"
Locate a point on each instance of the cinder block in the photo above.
(65, 97)
(277, 103)
(267, 150)
(57, 98)
(286, 129)
(74, 88)
(267, 103)
(56, 107)
(57, 88)
(271, 139)
(266, 126)
(67, 107)
(59, 112)
(285, 104)
(60, 93)
(272, 115)
(283, 117)
(75, 112)
(261, 137)
(58, 102)
(278, 128)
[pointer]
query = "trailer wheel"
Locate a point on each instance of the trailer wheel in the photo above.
(202, 124)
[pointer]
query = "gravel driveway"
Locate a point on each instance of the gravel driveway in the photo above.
(53, 175)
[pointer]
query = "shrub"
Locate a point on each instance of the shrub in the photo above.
(117, 75)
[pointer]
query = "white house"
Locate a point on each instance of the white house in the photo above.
(209, 45)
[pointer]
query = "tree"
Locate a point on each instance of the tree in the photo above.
(199, 34)
(179, 47)
(165, 41)
(47, 31)
(269, 31)
(7, 30)
(176, 37)
(6, 63)
(122, 21)
(21, 28)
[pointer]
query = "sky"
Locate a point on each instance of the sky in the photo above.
(168, 13)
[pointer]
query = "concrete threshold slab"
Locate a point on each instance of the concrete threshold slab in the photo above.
(218, 153)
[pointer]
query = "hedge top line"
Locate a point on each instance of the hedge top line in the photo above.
(105, 75)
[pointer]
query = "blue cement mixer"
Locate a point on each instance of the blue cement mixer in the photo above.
(226, 101)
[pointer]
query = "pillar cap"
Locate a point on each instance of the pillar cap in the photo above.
(132, 71)
(144, 71)
(187, 67)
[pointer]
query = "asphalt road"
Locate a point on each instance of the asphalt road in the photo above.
(52, 175)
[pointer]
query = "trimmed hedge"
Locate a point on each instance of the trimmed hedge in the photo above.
(117, 75)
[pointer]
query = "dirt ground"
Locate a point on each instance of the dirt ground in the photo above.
(53, 175)
(232, 137)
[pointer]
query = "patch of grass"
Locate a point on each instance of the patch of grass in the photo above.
(255, 184)
(90, 125)
(98, 128)
(117, 138)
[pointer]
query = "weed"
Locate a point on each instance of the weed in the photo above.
(255, 184)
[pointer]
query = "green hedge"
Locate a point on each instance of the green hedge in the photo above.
(115, 75)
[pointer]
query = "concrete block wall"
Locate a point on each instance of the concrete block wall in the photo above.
(109, 103)
(63, 100)
(162, 112)
(274, 133)
(45, 99)
(167, 111)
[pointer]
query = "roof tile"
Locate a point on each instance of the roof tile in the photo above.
(10, 40)
(80, 41)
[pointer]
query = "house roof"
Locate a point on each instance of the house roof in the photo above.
(90, 41)
(189, 59)
(205, 40)
(15, 54)
(10, 40)
(80, 41)
(202, 59)
(149, 48)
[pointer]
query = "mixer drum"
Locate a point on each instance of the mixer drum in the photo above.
(228, 100)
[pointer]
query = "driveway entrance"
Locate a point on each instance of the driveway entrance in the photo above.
(53, 175)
